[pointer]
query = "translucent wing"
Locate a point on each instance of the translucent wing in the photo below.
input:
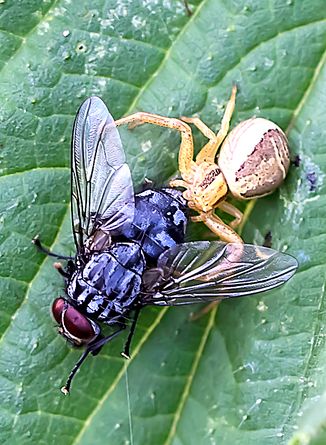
(207, 271)
(102, 191)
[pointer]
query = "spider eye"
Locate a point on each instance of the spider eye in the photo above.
(75, 325)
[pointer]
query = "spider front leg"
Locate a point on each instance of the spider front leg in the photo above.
(186, 152)
(208, 152)
(202, 127)
(217, 226)
(179, 183)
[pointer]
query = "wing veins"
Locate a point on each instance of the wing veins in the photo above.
(196, 271)
(89, 176)
(104, 192)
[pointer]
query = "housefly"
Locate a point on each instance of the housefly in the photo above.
(130, 249)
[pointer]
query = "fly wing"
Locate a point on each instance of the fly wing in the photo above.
(102, 191)
(211, 271)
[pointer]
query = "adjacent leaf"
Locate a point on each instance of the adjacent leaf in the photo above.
(241, 375)
(312, 428)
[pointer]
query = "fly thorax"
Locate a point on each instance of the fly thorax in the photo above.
(109, 282)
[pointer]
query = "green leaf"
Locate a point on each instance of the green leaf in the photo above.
(241, 375)
(312, 429)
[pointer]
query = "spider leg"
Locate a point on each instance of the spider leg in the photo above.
(233, 211)
(217, 226)
(208, 152)
(178, 183)
(186, 152)
(202, 127)
(205, 310)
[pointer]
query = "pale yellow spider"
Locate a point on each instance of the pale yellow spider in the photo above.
(253, 161)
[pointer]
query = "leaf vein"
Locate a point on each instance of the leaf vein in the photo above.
(191, 377)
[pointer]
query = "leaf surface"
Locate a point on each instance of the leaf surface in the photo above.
(251, 372)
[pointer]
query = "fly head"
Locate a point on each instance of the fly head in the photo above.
(73, 325)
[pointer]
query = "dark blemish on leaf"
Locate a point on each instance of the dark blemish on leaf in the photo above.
(81, 48)
(312, 179)
(296, 161)
(268, 239)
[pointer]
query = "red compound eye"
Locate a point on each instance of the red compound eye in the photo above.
(57, 308)
(78, 325)
(75, 323)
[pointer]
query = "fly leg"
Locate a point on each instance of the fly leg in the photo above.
(147, 184)
(60, 269)
(91, 348)
(186, 152)
(36, 241)
(126, 350)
